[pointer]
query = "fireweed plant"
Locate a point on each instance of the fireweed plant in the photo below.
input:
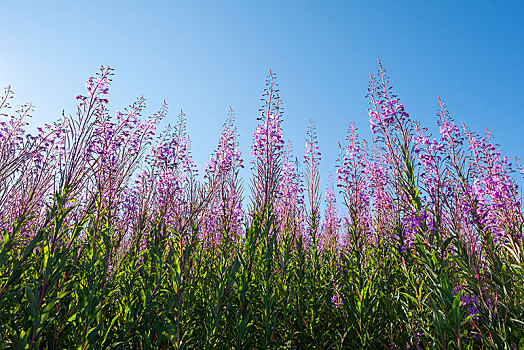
(108, 239)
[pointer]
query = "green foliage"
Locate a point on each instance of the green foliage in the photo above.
(70, 286)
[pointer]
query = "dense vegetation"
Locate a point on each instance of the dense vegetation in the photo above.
(109, 240)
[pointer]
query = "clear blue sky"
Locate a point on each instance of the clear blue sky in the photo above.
(204, 56)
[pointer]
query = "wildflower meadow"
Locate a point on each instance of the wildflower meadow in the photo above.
(112, 238)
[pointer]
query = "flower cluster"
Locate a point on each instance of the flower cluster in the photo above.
(268, 137)
(468, 301)
(391, 112)
(268, 149)
(331, 224)
(353, 184)
(224, 216)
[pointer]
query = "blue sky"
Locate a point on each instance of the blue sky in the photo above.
(204, 56)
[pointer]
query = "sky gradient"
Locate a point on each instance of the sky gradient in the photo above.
(204, 56)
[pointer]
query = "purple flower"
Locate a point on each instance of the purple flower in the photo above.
(468, 301)
(337, 298)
